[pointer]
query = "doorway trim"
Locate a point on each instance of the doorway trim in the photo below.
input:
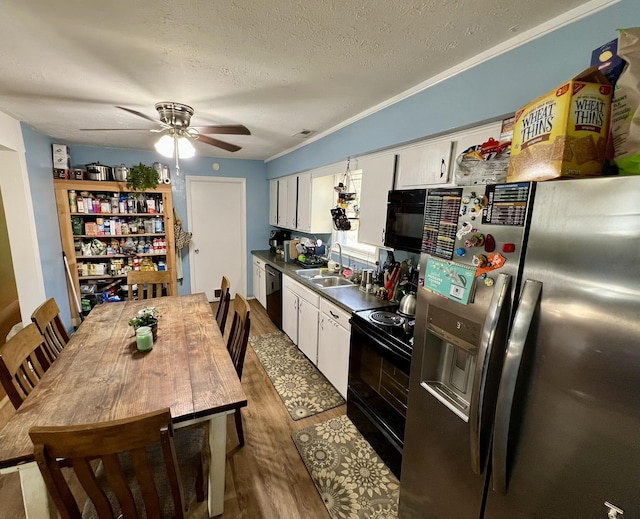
(21, 224)
(191, 179)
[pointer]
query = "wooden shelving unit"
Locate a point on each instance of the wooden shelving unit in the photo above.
(94, 188)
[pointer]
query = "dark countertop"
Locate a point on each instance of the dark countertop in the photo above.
(349, 298)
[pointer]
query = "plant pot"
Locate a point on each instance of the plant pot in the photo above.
(154, 329)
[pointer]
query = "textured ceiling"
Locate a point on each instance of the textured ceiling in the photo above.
(276, 66)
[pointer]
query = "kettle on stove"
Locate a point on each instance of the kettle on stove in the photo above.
(407, 306)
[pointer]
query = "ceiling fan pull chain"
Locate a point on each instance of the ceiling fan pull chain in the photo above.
(175, 152)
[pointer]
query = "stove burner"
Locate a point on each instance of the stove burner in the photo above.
(386, 318)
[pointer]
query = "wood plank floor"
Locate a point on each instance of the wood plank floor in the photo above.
(264, 479)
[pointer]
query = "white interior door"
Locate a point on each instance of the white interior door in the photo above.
(217, 219)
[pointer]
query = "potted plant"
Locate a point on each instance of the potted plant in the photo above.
(146, 317)
(142, 177)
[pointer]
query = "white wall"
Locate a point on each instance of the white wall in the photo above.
(14, 183)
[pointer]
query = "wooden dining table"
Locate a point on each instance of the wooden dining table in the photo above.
(100, 376)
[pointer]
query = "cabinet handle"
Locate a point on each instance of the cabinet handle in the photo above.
(197, 251)
(382, 237)
(335, 316)
(322, 323)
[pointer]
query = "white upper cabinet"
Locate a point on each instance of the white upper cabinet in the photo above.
(302, 202)
(273, 201)
(424, 164)
(467, 138)
(303, 223)
(316, 203)
(432, 162)
(377, 180)
(291, 204)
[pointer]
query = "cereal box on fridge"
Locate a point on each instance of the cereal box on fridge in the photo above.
(563, 133)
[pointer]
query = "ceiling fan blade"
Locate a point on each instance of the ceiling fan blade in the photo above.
(115, 129)
(139, 114)
(229, 129)
(220, 144)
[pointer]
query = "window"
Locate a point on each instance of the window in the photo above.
(349, 239)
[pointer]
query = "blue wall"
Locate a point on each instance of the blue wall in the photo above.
(488, 91)
(253, 170)
(40, 170)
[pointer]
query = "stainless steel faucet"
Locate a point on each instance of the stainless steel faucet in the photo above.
(340, 257)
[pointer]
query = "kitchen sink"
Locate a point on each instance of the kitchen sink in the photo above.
(330, 281)
(322, 278)
(315, 273)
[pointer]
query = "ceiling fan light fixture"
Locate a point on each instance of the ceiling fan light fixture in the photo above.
(185, 148)
(165, 146)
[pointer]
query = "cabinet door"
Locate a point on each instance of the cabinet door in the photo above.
(262, 275)
(304, 202)
(333, 353)
(308, 329)
(377, 180)
(283, 203)
(473, 136)
(256, 281)
(290, 314)
(292, 201)
(424, 165)
(273, 202)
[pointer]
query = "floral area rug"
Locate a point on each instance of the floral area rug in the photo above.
(303, 389)
(353, 481)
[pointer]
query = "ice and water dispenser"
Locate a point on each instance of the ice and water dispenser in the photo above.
(449, 361)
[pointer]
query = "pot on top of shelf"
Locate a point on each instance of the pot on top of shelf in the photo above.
(121, 173)
(141, 178)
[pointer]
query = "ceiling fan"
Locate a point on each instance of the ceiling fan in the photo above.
(175, 120)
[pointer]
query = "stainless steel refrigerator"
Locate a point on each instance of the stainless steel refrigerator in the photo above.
(524, 396)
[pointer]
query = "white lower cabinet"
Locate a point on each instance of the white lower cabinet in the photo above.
(259, 282)
(300, 310)
(333, 345)
(308, 329)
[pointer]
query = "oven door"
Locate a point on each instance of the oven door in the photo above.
(377, 392)
(405, 219)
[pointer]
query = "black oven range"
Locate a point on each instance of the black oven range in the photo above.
(379, 361)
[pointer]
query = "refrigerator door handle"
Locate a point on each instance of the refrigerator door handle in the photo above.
(494, 318)
(515, 348)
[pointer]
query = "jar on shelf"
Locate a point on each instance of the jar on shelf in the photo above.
(73, 201)
(77, 225)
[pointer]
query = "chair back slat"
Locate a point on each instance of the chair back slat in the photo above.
(23, 362)
(91, 486)
(150, 283)
(120, 486)
(238, 339)
(223, 311)
(224, 304)
(47, 318)
(110, 442)
(144, 475)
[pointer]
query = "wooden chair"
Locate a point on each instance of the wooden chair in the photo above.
(223, 305)
(142, 469)
(47, 318)
(237, 347)
(150, 283)
(23, 362)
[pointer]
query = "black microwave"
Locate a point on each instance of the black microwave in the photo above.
(405, 219)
